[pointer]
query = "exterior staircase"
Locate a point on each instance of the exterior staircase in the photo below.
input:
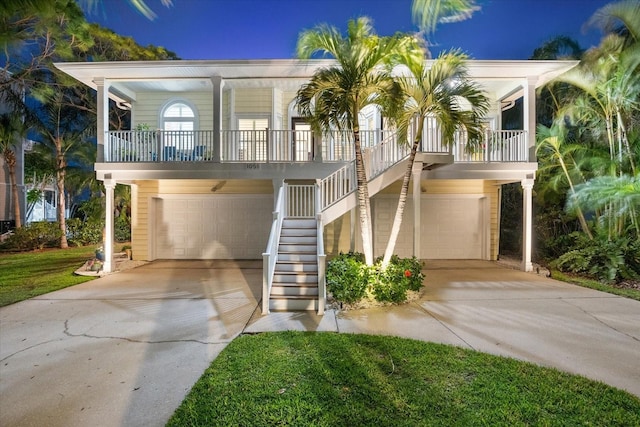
(295, 278)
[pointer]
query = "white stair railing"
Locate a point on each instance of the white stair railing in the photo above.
(384, 155)
(337, 186)
(270, 256)
(322, 257)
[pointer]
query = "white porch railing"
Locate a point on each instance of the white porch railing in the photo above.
(270, 256)
(159, 146)
(300, 201)
(264, 146)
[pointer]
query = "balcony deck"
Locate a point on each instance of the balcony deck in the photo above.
(283, 146)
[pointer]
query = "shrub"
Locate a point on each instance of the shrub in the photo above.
(350, 280)
(122, 232)
(347, 278)
(84, 233)
(36, 235)
(601, 259)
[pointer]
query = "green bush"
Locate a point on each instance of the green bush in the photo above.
(347, 278)
(84, 233)
(350, 280)
(122, 232)
(601, 259)
(36, 235)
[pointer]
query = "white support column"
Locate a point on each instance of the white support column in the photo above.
(416, 174)
(102, 87)
(527, 223)
(529, 115)
(217, 116)
(107, 244)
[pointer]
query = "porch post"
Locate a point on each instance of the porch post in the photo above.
(102, 88)
(529, 115)
(527, 223)
(107, 244)
(416, 174)
(217, 116)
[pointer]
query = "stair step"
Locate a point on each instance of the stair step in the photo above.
(299, 232)
(297, 248)
(288, 303)
(293, 291)
(288, 257)
(296, 266)
(299, 223)
(287, 277)
(305, 240)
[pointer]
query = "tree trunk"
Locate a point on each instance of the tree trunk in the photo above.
(363, 199)
(16, 196)
(402, 201)
(60, 176)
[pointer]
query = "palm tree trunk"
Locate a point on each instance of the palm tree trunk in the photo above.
(402, 201)
(363, 199)
(15, 195)
(60, 176)
(581, 218)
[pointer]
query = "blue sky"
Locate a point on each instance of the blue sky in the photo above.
(264, 29)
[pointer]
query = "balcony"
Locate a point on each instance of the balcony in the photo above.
(285, 146)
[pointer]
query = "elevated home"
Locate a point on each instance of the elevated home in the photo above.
(221, 166)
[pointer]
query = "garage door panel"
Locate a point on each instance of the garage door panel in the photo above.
(451, 227)
(214, 227)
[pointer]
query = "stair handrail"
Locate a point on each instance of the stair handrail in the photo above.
(384, 155)
(337, 185)
(322, 257)
(270, 256)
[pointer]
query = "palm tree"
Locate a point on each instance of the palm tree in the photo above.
(437, 91)
(335, 95)
(11, 131)
(552, 145)
(429, 13)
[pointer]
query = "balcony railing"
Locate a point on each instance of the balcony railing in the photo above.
(285, 146)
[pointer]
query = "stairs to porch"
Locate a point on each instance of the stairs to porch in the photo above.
(295, 278)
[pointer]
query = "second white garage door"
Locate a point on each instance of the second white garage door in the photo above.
(212, 227)
(453, 227)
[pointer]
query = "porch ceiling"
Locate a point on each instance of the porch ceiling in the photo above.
(144, 76)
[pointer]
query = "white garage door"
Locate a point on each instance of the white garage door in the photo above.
(452, 227)
(212, 227)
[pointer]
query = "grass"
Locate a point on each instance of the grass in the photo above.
(594, 284)
(28, 274)
(327, 379)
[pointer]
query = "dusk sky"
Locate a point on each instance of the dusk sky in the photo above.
(264, 29)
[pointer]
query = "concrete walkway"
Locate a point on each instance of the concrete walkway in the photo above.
(125, 349)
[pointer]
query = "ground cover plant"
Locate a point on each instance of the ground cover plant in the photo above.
(28, 274)
(327, 379)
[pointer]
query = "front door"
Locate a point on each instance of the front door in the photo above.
(302, 146)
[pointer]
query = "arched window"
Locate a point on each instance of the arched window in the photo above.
(178, 116)
(179, 123)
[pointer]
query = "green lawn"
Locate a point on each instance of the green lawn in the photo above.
(327, 379)
(28, 274)
(594, 284)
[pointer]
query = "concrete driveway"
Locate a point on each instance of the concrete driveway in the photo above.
(122, 350)
(125, 349)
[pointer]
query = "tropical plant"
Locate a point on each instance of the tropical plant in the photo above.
(439, 90)
(429, 13)
(335, 95)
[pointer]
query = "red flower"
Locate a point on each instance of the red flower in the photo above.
(407, 273)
